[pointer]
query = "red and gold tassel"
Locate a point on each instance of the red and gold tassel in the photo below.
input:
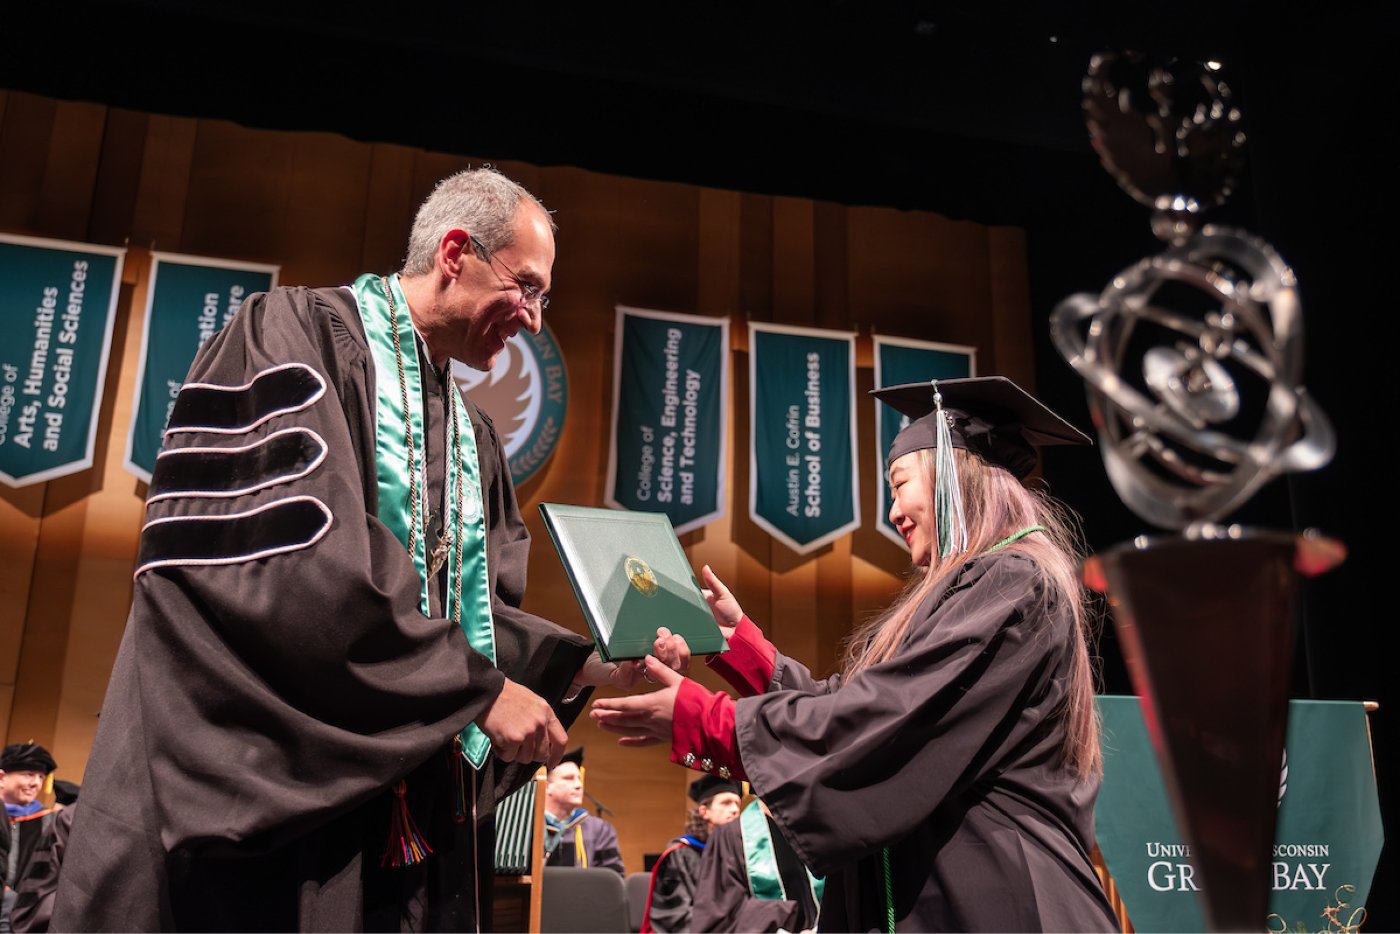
(406, 845)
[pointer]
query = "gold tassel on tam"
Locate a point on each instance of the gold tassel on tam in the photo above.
(406, 845)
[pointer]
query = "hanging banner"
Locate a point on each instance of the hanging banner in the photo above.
(189, 299)
(1327, 844)
(898, 361)
(57, 304)
(802, 436)
(526, 394)
(670, 398)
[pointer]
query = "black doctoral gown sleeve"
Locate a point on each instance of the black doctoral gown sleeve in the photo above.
(276, 670)
(848, 772)
(723, 901)
(673, 890)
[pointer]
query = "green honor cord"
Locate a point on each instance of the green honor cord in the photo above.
(399, 453)
(885, 874)
(1016, 538)
(889, 889)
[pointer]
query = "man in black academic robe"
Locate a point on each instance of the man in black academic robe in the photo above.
(278, 730)
(28, 824)
(33, 904)
(672, 893)
(737, 890)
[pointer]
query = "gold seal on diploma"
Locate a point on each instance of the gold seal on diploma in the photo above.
(639, 573)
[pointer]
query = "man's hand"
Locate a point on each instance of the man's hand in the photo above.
(642, 719)
(522, 727)
(626, 676)
(725, 608)
(599, 674)
(671, 650)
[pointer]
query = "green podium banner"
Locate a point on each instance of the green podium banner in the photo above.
(189, 299)
(802, 434)
(57, 304)
(670, 396)
(1326, 847)
(899, 360)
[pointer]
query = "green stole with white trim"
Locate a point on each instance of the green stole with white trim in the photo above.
(401, 468)
(765, 881)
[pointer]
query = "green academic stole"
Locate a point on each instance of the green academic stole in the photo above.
(765, 881)
(398, 455)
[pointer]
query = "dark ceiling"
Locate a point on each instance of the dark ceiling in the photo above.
(913, 104)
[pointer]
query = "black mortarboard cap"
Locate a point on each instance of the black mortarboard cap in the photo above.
(707, 786)
(573, 755)
(988, 415)
(65, 793)
(26, 757)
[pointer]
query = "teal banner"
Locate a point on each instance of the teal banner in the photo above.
(670, 399)
(57, 304)
(1326, 847)
(527, 396)
(189, 299)
(898, 361)
(802, 436)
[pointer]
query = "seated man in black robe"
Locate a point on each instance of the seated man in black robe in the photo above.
(324, 686)
(750, 880)
(33, 904)
(671, 898)
(28, 822)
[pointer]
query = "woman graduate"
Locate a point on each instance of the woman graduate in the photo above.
(945, 779)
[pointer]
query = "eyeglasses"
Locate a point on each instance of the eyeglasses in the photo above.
(529, 294)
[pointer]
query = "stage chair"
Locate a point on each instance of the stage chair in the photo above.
(586, 901)
(638, 887)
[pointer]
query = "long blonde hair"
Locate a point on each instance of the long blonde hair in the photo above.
(998, 506)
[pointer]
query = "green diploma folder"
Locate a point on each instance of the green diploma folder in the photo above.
(631, 576)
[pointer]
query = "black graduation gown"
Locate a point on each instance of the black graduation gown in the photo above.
(33, 906)
(261, 711)
(724, 899)
(947, 754)
(19, 838)
(672, 894)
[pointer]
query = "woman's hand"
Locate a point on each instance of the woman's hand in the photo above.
(671, 650)
(725, 608)
(642, 719)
